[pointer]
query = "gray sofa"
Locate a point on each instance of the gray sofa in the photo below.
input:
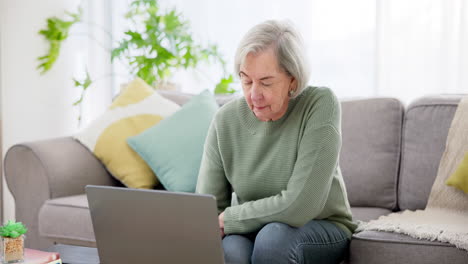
(389, 161)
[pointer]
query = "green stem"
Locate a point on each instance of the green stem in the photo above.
(100, 44)
(83, 91)
(92, 38)
(100, 27)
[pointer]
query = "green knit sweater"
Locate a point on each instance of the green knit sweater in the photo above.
(281, 171)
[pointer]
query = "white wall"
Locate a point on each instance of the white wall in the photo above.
(33, 106)
(1, 109)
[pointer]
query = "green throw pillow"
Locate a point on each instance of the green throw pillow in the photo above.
(459, 179)
(174, 147)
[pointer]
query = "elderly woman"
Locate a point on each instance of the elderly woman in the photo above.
(274, 154)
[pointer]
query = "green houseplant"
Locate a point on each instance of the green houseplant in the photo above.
(12, 246)
(158, 44)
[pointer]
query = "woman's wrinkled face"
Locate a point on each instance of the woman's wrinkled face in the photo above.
(266, 86)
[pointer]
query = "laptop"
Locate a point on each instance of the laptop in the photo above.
(150, 226)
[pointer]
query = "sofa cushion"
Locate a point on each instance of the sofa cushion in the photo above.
(172, 153)
(368, 213)
(426, 125)
(369, 160)
(136, 109)
(382, 247)
(459, 179)
(67, 220)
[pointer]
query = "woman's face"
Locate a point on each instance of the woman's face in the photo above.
(266, 86)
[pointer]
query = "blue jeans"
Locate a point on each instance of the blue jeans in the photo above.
(318, 241)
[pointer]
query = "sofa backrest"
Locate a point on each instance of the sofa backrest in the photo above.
(370, 154)
(389, 157)
(426, 126)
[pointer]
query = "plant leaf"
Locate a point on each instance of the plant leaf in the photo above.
(13, 229)
(223, 87)
(83, 85)
(56, 32)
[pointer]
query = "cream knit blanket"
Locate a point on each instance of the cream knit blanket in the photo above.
(445, 218)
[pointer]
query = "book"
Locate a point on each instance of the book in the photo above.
(33, 256)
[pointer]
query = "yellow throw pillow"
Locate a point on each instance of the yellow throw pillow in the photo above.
(459, 179)
(136, 109)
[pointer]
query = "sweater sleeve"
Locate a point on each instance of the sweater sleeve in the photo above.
(307, 190)
(211, 176)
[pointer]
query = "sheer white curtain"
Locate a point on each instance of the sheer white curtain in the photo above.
(422, 47)
(397, 48)
(94, 57)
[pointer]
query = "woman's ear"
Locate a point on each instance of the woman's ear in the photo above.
(293, 84)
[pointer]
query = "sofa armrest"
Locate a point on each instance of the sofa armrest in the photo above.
(42, 170)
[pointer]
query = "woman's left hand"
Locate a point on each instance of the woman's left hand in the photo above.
(221, 223)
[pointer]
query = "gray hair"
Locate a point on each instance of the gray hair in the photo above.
(288, 44)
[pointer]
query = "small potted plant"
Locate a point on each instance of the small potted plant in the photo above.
(12, 246)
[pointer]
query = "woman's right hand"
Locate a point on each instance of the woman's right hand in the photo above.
(221, 223)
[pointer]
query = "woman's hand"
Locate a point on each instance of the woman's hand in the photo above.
(221, 223)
